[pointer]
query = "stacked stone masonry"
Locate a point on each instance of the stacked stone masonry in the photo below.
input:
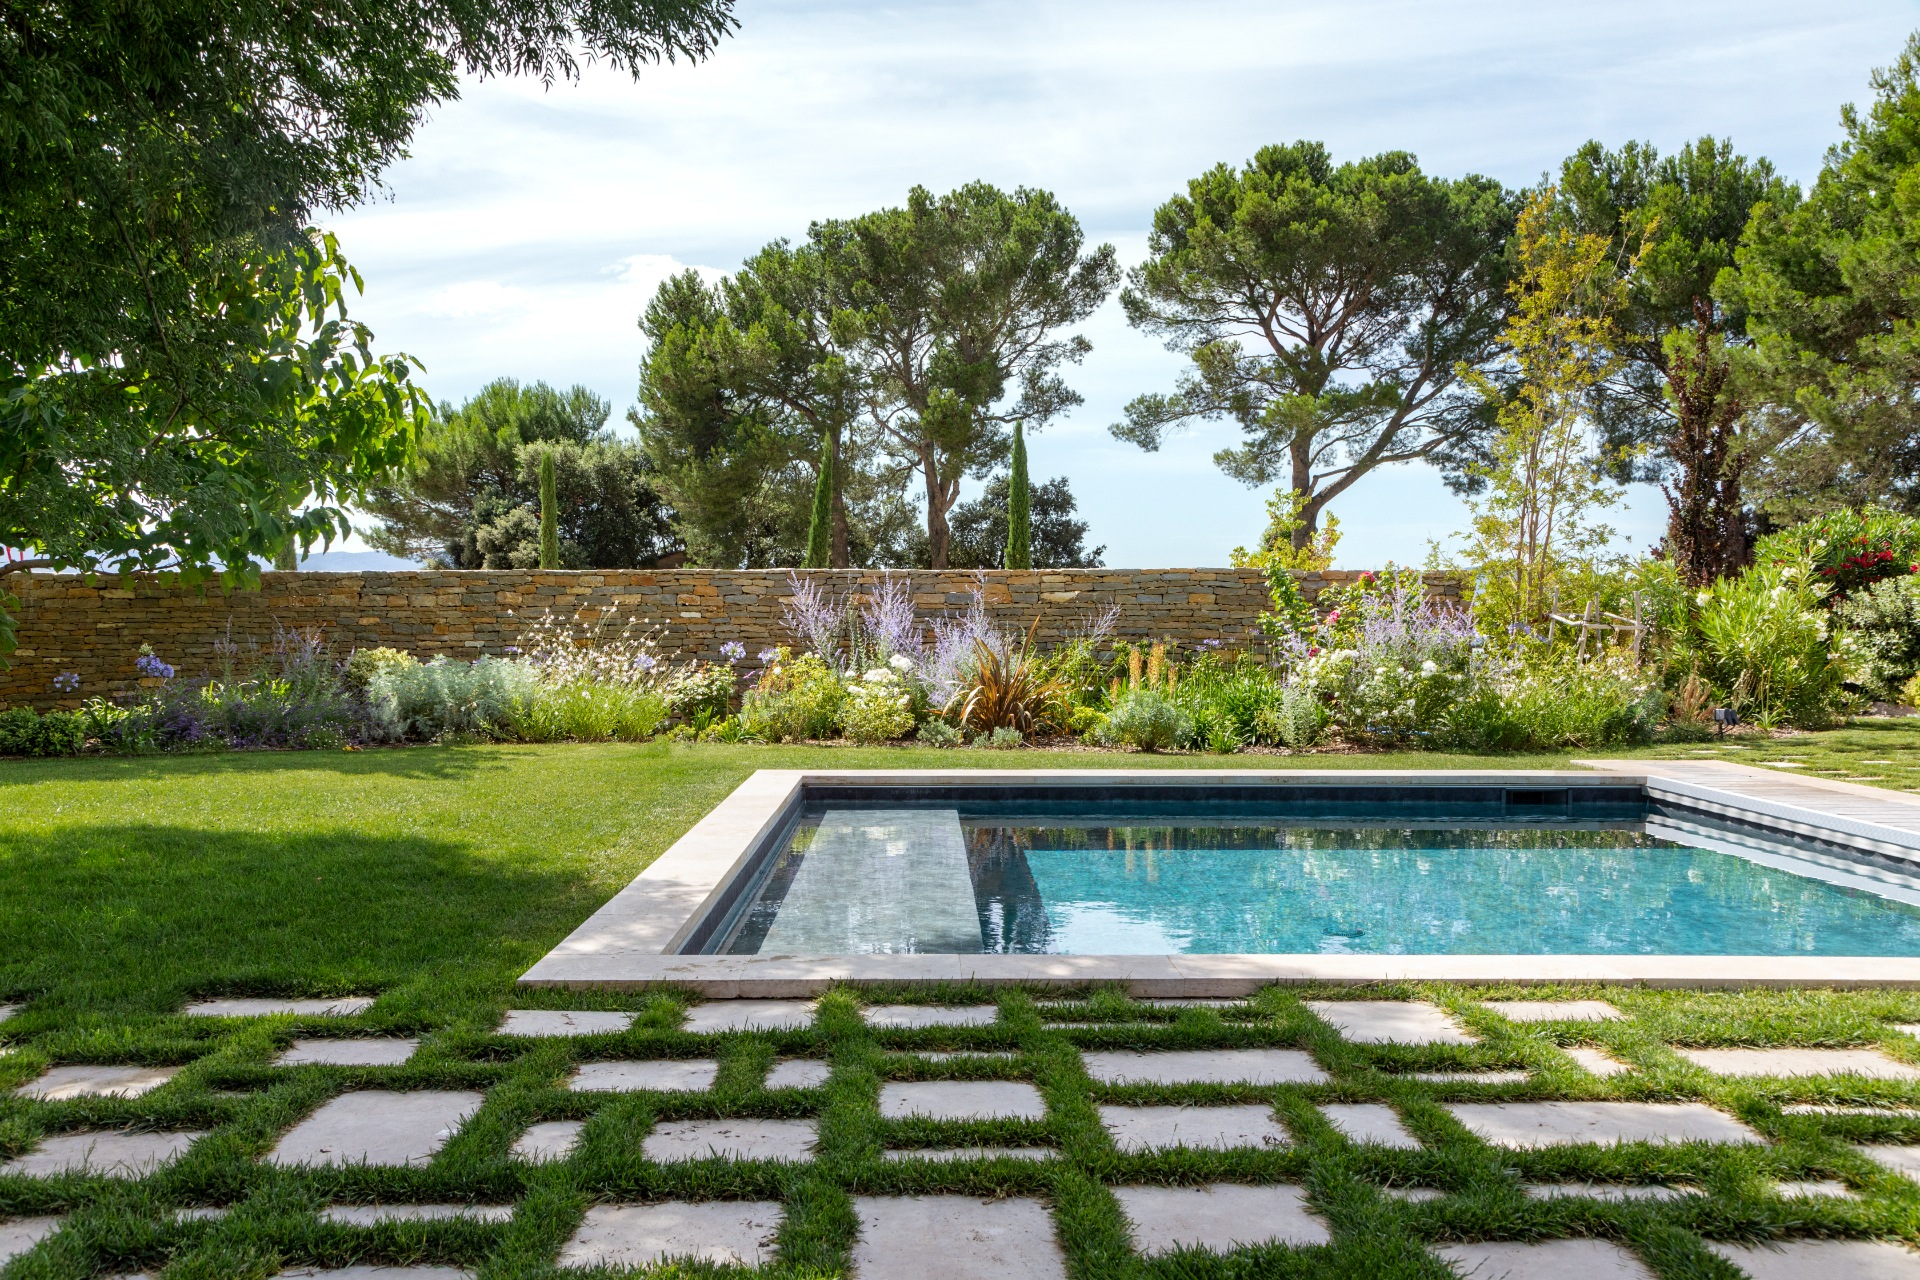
(95, 628)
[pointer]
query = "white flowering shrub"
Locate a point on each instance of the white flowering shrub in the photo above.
(879, 705)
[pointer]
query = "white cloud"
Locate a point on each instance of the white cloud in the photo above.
(530, 226)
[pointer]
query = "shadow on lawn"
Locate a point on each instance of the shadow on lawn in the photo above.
(138, 917)
(420, 762)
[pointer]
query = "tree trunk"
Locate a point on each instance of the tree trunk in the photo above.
(1308, 513)
(937, 536)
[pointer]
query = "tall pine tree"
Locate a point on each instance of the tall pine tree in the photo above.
(1019, 506)
(820, 530)
(549, 515)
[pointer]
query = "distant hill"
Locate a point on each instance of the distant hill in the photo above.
(354, 562)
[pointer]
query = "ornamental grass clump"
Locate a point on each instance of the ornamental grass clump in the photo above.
(1007, 688)
(595, 680)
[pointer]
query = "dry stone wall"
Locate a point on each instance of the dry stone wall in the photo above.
(95, 628)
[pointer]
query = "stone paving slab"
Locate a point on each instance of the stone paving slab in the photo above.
(1390, 1022)
(110, 1153)
(1911, 1028)
(987, 1055)
(798, 1073)
(7, 1011)
(564, 1022)
(548, 1140)
(955, 1238)
(1467, 1077)
(376, 1126)
(1193, 1002)
(944, 1155)
(1596, 1062)
(1839, 1109)
(372, 1215)
(659, 1075)
(1554, 1010)
(380, 1052)
(270, 1007)
(673, 1140)
(20, 1235)
(1221, 1217)
(1902, 1160)
(1813, 1189)
(1869, 1064)
(1548, 1260)
(1823, 1260)
(1414, 1195)
(749, 1015)
(1205, 1066)
(930, 1015)
(86, 1081)
(962, 1100)
(739, 1233)
(376, 1273)
(1528, 1125)
(1138, 1129)
(1609, 1191)
(209, 1213)
(1369, 1122)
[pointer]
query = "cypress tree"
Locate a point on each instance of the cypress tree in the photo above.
(549, 514)
(1019, 506)
(820, 529)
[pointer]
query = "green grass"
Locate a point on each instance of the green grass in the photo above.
(435, 876)
(1876, 751)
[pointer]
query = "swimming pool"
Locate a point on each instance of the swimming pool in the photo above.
(1195, 883)
(1466, 874)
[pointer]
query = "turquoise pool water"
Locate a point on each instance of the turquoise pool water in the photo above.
(906, 880)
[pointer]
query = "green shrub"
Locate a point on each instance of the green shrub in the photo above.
(444, 698)
(796, 699)
(1583, 705)
(1145, 719)
(938, 733)
(1846, 550)
(700, 694)
(23, 732)
(1295, 719)
(587, 711)
(1763, 640)
(1885, 623)
(1005, 738)
(878, 707)
(364, 664)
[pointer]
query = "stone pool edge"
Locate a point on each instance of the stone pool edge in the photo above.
(631, 943)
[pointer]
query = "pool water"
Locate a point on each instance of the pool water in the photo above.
(875, 880)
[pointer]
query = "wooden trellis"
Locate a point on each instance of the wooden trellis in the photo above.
(1598, 625)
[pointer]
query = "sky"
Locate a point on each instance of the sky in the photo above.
(529, 225)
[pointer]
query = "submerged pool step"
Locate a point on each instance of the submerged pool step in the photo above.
(880, 881)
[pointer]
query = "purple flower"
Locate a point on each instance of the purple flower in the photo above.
(733, 651)
(66, 682)
(645, 662)
(512, 648)
(768, 655)
(149, 664)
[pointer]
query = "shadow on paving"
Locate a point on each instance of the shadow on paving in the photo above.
(133, 917)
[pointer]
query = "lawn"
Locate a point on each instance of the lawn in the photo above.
(1877, 751)
(433, 876)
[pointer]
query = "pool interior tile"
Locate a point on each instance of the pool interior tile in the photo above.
(738, 1233)
(564, 1022)
(962, 1100)
(673, 1140)
(955, 1238)
(1219, 1217)
(1390, 1022)
(1370, 1122)
(657, 1075)
(372, 1052)
(1140, 1129)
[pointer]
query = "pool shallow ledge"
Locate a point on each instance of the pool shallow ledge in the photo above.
(640, 939)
